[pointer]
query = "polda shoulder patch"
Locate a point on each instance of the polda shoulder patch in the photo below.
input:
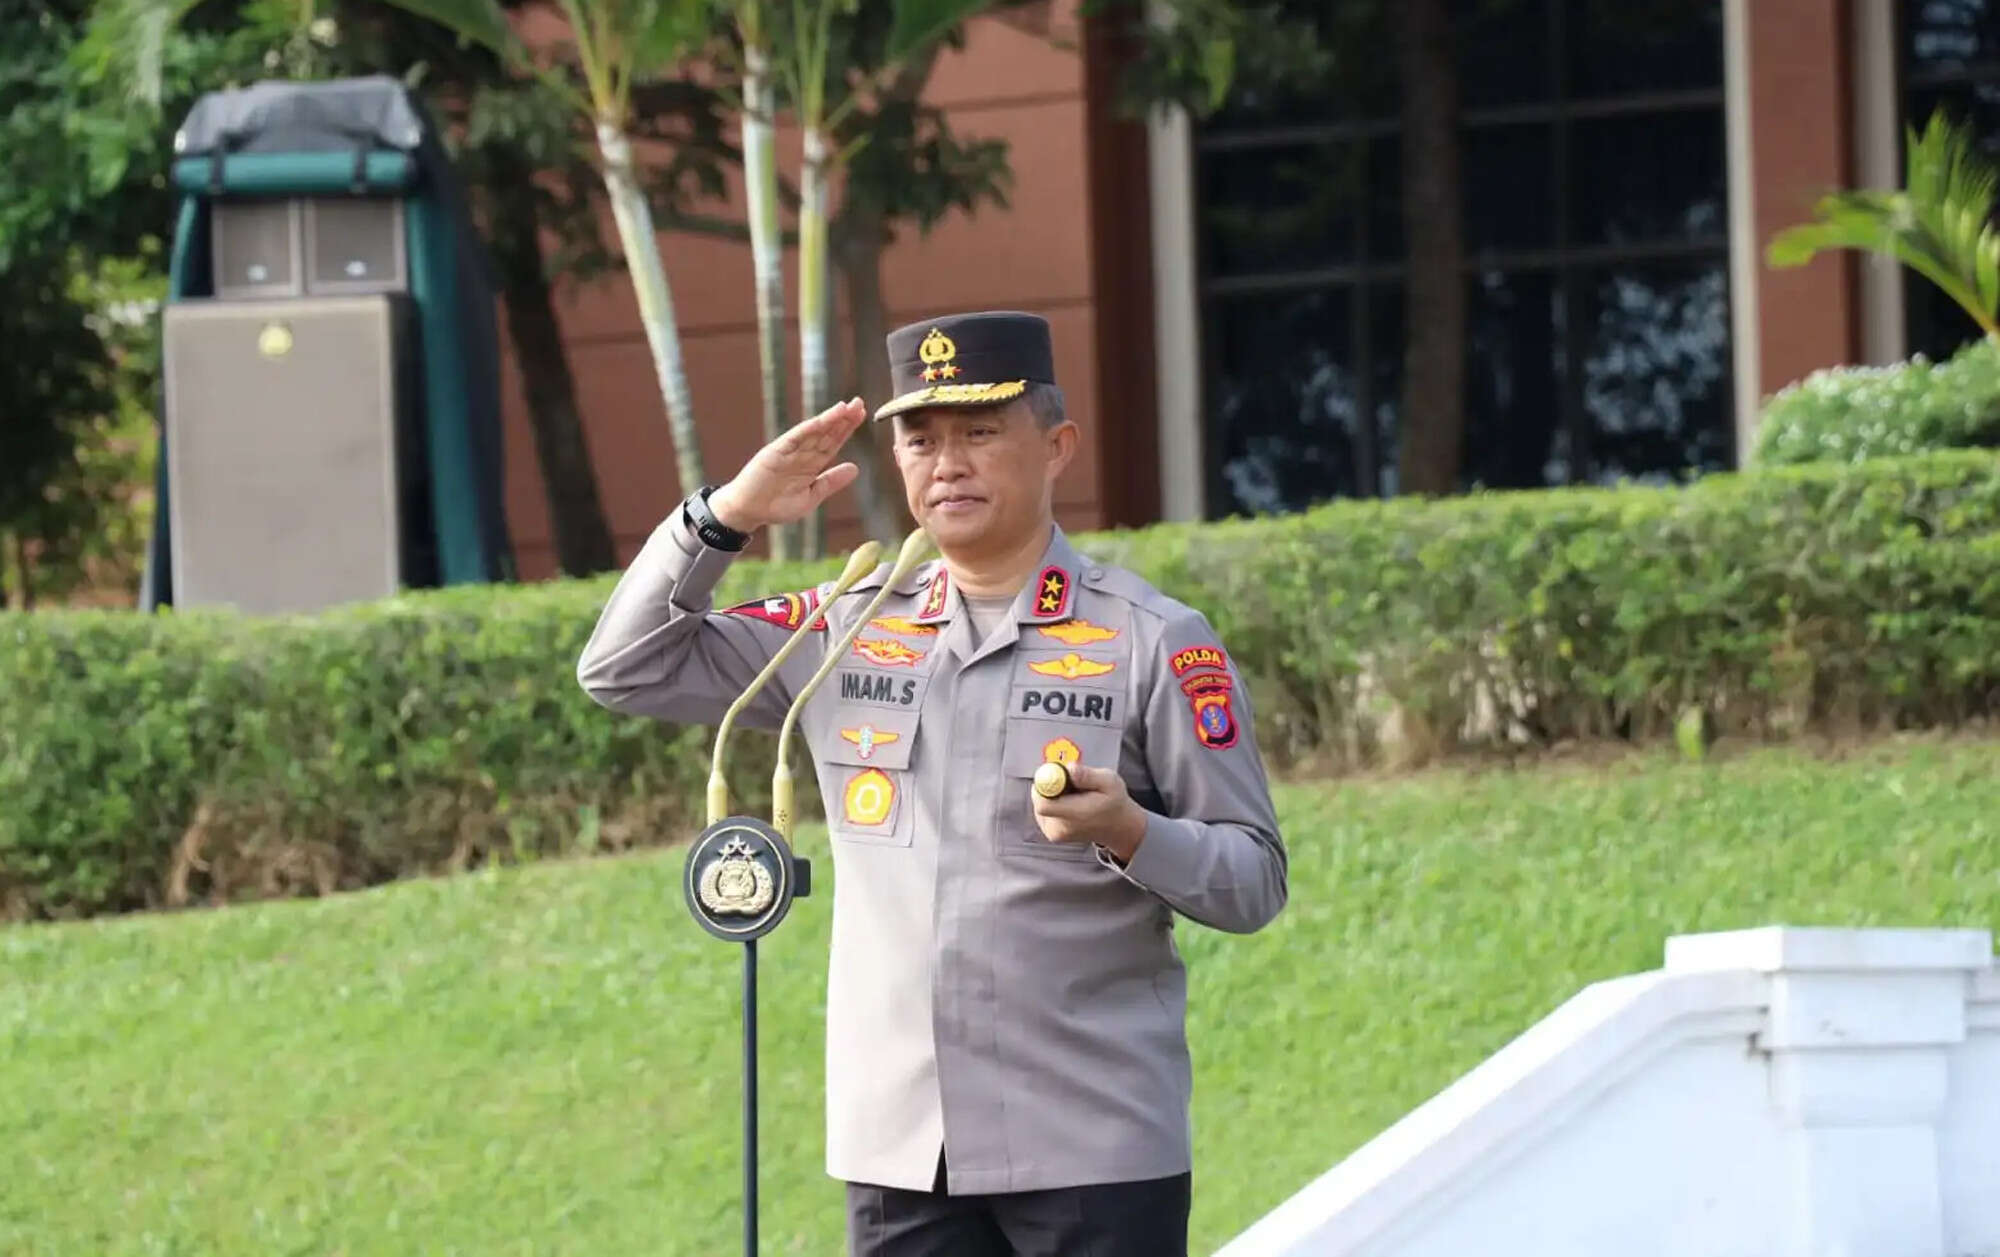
(1208, 700)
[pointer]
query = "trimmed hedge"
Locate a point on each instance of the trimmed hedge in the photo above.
(1851, 413)
(197, 757)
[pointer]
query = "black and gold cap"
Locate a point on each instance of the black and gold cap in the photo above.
(981, 359)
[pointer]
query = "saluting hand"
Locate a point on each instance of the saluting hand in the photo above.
(1096, 808)
(786, 479)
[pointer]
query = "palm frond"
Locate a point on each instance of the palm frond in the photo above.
(918, 22)
(481, 21)
(126, 44)
(1939, 225)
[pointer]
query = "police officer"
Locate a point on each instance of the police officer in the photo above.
(1006, 1062)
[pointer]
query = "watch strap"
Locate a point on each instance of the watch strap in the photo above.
(712, 531)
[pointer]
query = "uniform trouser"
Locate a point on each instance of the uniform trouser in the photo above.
(1147, 1218)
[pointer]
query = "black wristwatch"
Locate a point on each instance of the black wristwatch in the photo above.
(712, 531)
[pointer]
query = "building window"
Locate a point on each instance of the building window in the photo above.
(1594, 215)
(1950, 59)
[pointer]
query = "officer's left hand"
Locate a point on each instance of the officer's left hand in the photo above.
(1096, 808)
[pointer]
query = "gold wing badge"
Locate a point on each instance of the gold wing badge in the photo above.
(736, 883)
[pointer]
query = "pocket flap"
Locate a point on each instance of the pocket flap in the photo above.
(874, 739)
(1031, 743)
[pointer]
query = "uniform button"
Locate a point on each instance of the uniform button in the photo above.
(1096, 573)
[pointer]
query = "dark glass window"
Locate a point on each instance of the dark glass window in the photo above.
(1281, 207)
(1649, 177)
(1509, 192)
(1515, 437)
(1627, 47)
(1289, 406)
(1950, 60)
(1653, 364)
(1594, 220)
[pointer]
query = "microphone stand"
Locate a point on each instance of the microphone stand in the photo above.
(741, 875)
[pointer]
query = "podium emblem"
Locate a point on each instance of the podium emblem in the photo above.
(735, 884)
(741, 879)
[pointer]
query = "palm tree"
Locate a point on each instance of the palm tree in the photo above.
(1939, 225)
(615, 43)
(758, 119)
(823, 94)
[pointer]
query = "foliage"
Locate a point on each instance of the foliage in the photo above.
(78, 530)
(83, 206)
(142, 758)
(1850, 413)
(1938, 225)
(545, 1060)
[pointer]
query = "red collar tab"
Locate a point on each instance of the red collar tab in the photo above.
(934, 596)
(1051, 594)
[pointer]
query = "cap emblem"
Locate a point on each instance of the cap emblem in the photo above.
(937, 352)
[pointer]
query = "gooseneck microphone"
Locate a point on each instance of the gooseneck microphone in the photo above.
(912, 553)
(859, 564)
(741, 876)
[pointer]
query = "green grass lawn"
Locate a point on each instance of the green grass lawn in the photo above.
(544, 1060)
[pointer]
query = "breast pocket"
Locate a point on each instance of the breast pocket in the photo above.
(867, 778)
(1028, 745)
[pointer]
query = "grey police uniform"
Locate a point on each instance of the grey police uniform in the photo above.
(1015, 1003)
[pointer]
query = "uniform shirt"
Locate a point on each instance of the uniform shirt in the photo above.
(1016, 1003)
(986, 612)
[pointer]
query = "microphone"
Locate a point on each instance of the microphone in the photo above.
(740, 876)
(859, 564)
(782, 813)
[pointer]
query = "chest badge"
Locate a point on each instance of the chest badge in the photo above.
(1062, 751)
(736, 883)
(869, 797)
(885, 651)
(1052, 593)
(1072, 667)
(868, 737)
(902, 624)
(1078, 632)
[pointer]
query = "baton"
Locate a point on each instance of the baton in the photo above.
(741, 875)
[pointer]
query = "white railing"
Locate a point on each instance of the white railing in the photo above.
(1767, 1093)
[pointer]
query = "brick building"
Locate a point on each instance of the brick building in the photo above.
(1223, 332)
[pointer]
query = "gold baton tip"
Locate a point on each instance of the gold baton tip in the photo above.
(1051, 780)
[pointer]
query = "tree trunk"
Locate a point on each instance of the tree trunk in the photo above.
(767, 253)
(25, 569)
(863, 236)
(576, 516)
(1432, 441)
(860, 234)
(656, 300)
(815, 386)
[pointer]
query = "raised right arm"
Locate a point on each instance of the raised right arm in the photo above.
(661, 650)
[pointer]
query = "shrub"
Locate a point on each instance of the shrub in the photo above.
(199, 757)
(1847, 414)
